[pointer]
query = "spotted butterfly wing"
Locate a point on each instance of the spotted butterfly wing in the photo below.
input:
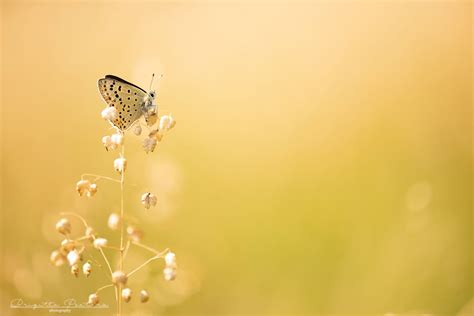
(126, 97)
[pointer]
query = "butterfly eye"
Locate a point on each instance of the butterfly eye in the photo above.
(152, 94)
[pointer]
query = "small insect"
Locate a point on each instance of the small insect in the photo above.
(130, 101)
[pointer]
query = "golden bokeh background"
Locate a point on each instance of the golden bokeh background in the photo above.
(321, 163)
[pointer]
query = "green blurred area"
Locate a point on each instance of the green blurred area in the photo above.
(321, 163)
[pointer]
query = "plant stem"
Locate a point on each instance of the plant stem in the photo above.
(127, 246)
(104, 287)
(76, 215)
(98, 177)
(136, 243)
(157, 256)
(122, 176)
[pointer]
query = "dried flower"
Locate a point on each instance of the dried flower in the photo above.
(170, 260)
(134, 233)
(68, 245)
(155, 133)
(92, 190)
(167, 123)
(82, 186)
(120, 164)
(169, 273)
(114, 221)
(137, 130)
(149, 199)
(108, 144)
(117, 139)
(87, 268)
(57, 258)
(89, 233)
(149, 144)
(109, 113)
(151, 118)
(63, 226)
(100, 242)
(119, 277)
(93, 299)
(86, 187)
(75, 270)
(73, 257)
(144, 296)
(126, 295)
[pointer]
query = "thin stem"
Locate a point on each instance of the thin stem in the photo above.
(122, 176)
(76, 215)
(136, 243)
(155, 257)
(127, 246)
(111, 247)
(98, 177)
(106, 261)
(81, 238)
(117, 299)
(104, 287)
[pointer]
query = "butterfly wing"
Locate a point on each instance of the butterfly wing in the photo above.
(126, 97)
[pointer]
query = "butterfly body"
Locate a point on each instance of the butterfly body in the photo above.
(130, 101)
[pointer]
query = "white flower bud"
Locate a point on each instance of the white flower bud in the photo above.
(149, 144)
(93, 299)
(117, 139)
(109, 113)
(144, 296)
(119, 277)
(169, 273)
(170, 259)
(114, 221)
(149, 199)
(166, 123)
(137, 130)
(75, 270)
(57, 258)
(120, 164)
(92, 190)
(73, 257)
(126, 295)
(87, 268)
(63, 226)
(108, 144)
(100, 242)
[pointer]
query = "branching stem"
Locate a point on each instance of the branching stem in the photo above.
(104, 287)
(98, 177)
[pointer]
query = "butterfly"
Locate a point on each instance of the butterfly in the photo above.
(130, 101)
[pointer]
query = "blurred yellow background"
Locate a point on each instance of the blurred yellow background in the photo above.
(321, 163)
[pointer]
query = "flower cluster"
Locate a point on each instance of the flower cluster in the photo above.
(155, 133)
(73, 250)
(79, 252)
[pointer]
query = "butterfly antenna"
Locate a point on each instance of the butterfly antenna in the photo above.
(151, 83)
